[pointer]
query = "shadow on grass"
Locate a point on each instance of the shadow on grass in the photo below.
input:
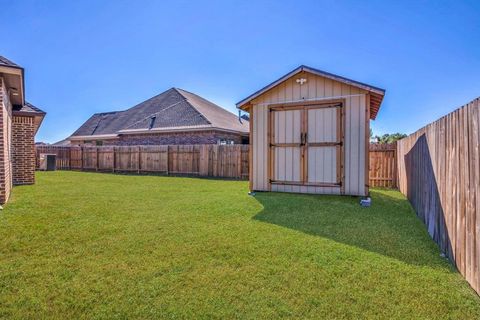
(389, 227)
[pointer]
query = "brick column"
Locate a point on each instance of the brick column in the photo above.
(23, 132)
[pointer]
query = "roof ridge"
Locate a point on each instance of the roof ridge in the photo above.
(153, 114)
(208, 101)
(191, 105)
(155, 96)
(98, 123)
(108, 112)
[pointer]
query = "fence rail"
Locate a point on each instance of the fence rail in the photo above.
(229, 161)
(439, 172)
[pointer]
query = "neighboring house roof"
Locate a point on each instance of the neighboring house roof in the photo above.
(62, 143)
(376, 93)
(174, 109)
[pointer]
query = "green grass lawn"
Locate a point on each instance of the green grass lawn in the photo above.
(88, 245)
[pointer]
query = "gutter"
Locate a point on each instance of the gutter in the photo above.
(179, 129)
(93, 137)
(153, 131)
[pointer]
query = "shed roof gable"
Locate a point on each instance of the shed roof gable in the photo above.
(375, 92)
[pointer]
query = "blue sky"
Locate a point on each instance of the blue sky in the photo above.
(83, 57)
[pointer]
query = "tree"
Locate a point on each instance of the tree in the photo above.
(390, 138)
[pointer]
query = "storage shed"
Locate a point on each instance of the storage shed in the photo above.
(309, 133)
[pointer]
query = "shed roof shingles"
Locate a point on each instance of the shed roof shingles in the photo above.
(174, 108)
(7, 63)
(28, 108)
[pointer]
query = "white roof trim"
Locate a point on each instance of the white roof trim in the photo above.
(155, 130)
(93, 137)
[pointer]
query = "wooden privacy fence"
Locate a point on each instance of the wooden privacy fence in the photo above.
(439, 172)
(204, 160)
(229, 161)
(383, 165)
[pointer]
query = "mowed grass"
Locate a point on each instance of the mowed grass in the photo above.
(97, 246)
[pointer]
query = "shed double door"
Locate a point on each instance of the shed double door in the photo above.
(306, 145)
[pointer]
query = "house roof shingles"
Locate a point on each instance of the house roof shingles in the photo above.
(172, 109)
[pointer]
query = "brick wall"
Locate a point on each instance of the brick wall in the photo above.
(23, 135)
(173, 138)
(5, 144)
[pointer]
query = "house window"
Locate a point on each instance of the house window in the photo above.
(99, 143)
(225, 142)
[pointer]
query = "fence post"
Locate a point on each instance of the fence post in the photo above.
(113, 160)
(69, 158)
(215, 160)
(168, 160)
(238, 154)
(138, 160)
(81, 158)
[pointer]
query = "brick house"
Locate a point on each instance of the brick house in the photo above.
(20, 121)
(175, 116)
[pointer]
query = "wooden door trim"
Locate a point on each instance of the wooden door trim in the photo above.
(285, 145)
(341, 163)
(270, 149)
(339, 144)
(303, 147)
(325, 144)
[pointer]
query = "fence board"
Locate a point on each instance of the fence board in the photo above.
(439, 172)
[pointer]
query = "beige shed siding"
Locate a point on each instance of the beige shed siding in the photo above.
(260, 147)
(316, 87)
